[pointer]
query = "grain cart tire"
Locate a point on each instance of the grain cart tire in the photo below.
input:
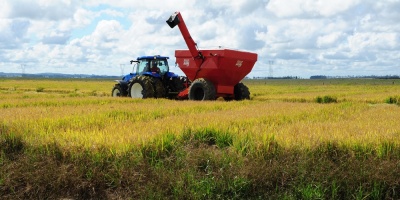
(202, 89)
(141, 87)
(158, 88)
(117, 91)
(241, 92)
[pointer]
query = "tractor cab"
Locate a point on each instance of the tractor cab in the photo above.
(156, 66)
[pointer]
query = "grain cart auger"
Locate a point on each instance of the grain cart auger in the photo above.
(214, 72)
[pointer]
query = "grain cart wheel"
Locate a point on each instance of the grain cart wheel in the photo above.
(141, 87)
(158, 88)
(118, 92)
(241, 92)
(202, 89)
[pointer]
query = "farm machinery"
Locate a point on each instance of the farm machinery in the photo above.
(150, 78)
(211, 73)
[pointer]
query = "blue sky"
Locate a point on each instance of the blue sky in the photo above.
(291, 37)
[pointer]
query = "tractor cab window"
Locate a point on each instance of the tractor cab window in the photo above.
(159, 66)
(143, 66)
(163, 66)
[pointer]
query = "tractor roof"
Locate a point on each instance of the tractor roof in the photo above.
(153, 57)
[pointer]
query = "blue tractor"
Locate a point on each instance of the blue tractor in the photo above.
(150, 78)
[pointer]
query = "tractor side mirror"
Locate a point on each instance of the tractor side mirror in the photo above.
(173, 20)
(134, 61)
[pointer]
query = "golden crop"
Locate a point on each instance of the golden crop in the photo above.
(76, 114)
(295, 139)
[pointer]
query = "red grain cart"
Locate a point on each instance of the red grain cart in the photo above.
(214, 72)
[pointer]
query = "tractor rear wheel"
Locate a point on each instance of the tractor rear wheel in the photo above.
(141, 87)
(117, 91)
(241, 92)
(202, 89)
(158, 88)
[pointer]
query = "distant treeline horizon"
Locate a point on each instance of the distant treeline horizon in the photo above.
(62, 75)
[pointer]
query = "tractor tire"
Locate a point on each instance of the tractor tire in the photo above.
(159, 88)
(117, 91)
(141, 87)
(241, 92)
(202, 89)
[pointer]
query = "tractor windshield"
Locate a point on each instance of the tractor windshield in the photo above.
(162, 65)
(143, 66)
(147, 65)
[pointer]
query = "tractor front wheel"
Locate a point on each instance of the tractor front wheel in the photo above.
(202, 89)
(141, 87)
(117, 91)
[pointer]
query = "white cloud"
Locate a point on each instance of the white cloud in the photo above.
(148, 5)
(309, 8)
(5, 9)
(13, 33)
(373, 41)
(330, 40)
(302, 37)
(240, 7)
(83, 17)
(56, 38)
(42, 9)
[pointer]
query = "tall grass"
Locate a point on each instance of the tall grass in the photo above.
(393, 100)
(282, 144)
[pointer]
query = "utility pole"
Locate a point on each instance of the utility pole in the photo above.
(121, 66)
(23, 67)
(271, 71)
